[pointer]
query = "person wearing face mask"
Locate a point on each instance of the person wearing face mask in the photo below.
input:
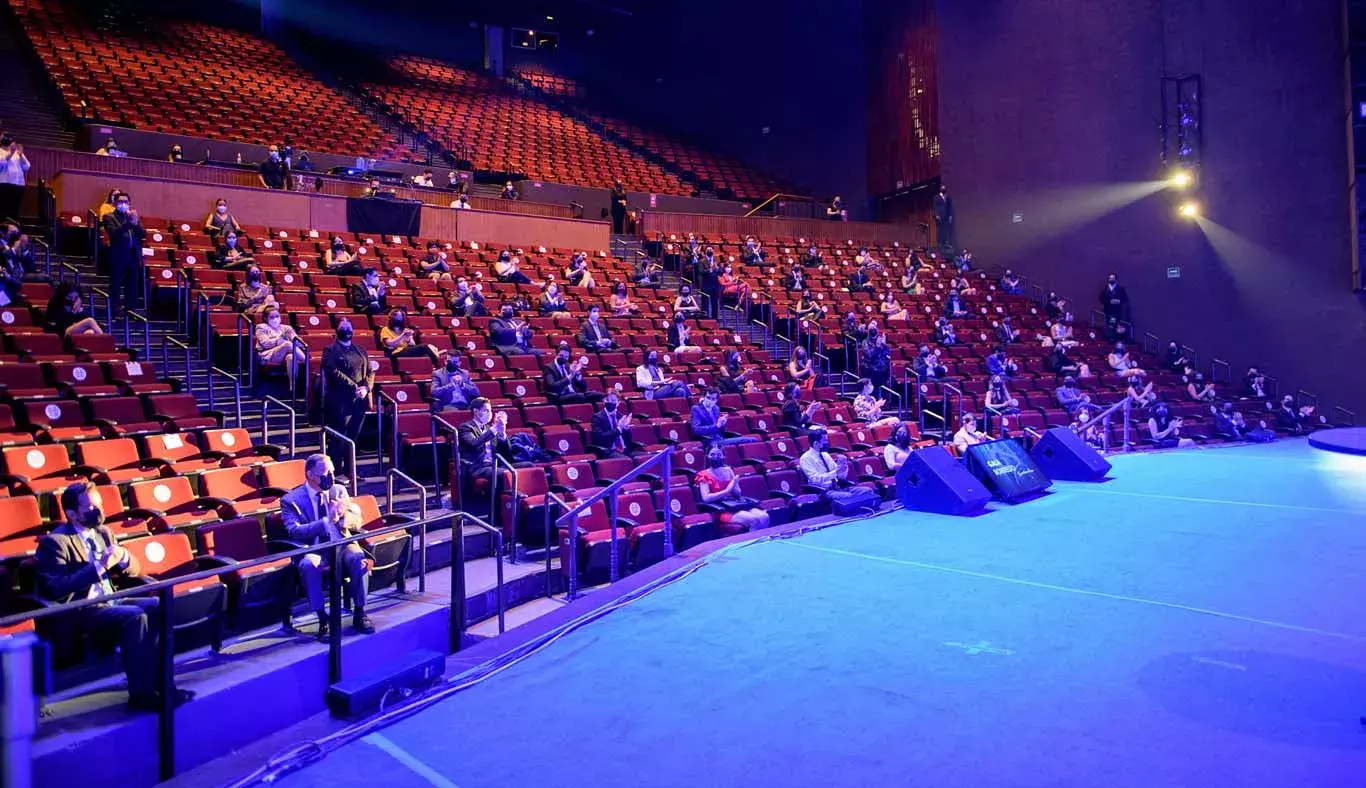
(618, 205)
(348, 380)
(732, 378)
(509, 335)
(610, 434)
(577, 273)
(1070, 397)
(875, 358)
(1140, 392)
(506, 268)
(564, 381)
(111, 148)
(434, 265)
(1122, 364)
(81, 559)
(835, 211)
(552, 301)
(944, 332)
(796, 417)
(220, 221)
(621, 303)
(910, 282)
(1165, 430)
(320, 511)
(468, 301)
(339, 261)
(868, 406)
(800, 371)
(400, 340)
(1114, 302)
(928, 366)
(812, 258)
(274, 171)
(368, 296)
(253, 295)
(124, 231)
(859, 281)
(1200, 390)
(732, 286)
(686, 303)
(647, 271)
(796, 279)
(593, 334)
(479, 440)
(1295, 421)
(680, 335)
(451, 385)
(898, 446)
(953, 305)
(1006, 332)
(805, 308)
(275, 342)
(231, 255)
(718, 485)
(651, 380)
(175, 155)
(65, 314)
(1011, 284)
(999, 402)
(706, 421)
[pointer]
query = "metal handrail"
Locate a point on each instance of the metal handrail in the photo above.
(512, 472)
(457, 612)
(237, 392)
(393, 474)
(250, 360)
(1351, 415)
(1104, 418)
(295, 342)
(108, 309)
(47, 255)
(266, 402)
(439, 423)
(168, 342)
(76, 272)
(1217, 364)
(664, 458)
(129, 316)
(351, 454)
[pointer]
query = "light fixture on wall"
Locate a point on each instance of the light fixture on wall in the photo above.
(1181, 179)
(1189, 209)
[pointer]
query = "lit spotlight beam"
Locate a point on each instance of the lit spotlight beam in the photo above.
(1051, 213)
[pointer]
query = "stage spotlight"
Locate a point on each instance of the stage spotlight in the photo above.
(1181, 179)
(1190, 210)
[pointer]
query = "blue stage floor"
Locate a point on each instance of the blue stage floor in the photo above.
(1200, 620)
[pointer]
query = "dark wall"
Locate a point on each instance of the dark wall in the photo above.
(1049, 108)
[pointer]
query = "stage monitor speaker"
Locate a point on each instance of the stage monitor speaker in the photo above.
(362, 695)
(1061, 454)
(1005, 468)
(932, 480)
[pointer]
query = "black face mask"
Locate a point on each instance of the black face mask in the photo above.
(326, 481)
(398, 321)
(652, 361)
(564, 359)
(344, 334)
(716, 460)
(92, 518)
(452, 365)
(254, 279)
(610, 406)
(507, 314)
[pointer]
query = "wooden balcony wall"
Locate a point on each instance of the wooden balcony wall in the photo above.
(734, 227)
(516, 231)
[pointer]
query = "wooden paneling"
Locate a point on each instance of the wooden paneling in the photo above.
(513, 230)
(813, 229)
(903, 95)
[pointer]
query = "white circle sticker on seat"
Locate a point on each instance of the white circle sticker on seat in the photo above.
(362, 250)
(673, 435)
(303, 264)
(331, 303)
(572, 473)
(53, 411)
(162, 493)
(455, 322)
(228, 439)
(313, 320)
(154, 552)
(7, 317)
(618, 387)
(79, 374)
(35, 459)
(312, 233)
(269, 244)
(521, 390)
(431, 306)
(635, 508)
(157, 237)
(785, 485)
(191, 259)
(284, 234)
(860, 436)
(564, 445)
(401, 396)
(184, 228)
(374, 366)
(688, 458)
(393, 283)
(488, 362)
(289, 279)
(676, 506)
(469, 345)
(763, 425)
(166, 274)
(448, 247)
(76, 220)
(782, 446)
(668, 360)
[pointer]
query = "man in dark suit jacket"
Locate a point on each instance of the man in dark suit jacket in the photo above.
(611, 432)
(81, 559)
(593, 335)
(367, 296)
(1114, 302)
(479, 440)
(943, 218)
(706, 422)
(509, 336)
(564, 380)
(350, 380)
(316, 512)
(125, 232)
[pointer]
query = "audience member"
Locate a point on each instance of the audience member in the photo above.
(943, 219)
(800, 370)
(1000, 365)
(1294, 420)
(1011, 284)
(451, 385)
(706, 423)
(967, 434)
(1255, 384)
(953, 305)
(821, 470)
(349, 379)
(853, 332)
(552, 301)
(812, 258)
(14, 166)
(1199, 389)
(564, 381)
(424, 179)
(718, 485)
(944, 333)
(875, 358)
(480, 439)
(647, 272)
(1070, 397)
(1165, 429)
(231, 256)
(890, 309)
(111, 149)
(316, 512)
(66, 315)
(461, 202)
(433, 265)
(507, 271)
(593, 335)
(610, 433)
(962, 286)
(220, 221)
(82, 559)
(797, 419)
(254, 297)
(898, 447)
(368, 296)
(618, 206)
(868, 406)
(859, 281)
(468, 301)
(1006, 331)
(125, 232)
(910, 282)
(835, 211)
(1175, 360)
(1114, 302)
(651, 380)
(999, 398)
(621, 303)
(796, 279)
(1059, 308)
(1121, 363)
(1062, 364)
(400, 340)
(1141, 392)
(510, 336)
(18, 250)
(731, 379)
(732, 286)
(273, 172)
(275, 342)
(927, 365)
(338, 259)
(1060, 333)
(686, 302)
(577, 273)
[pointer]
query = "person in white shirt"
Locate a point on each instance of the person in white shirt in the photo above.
(425, 179)
(13, 173)
(461, 203)
(898, 447)
(657, 385)
(111, 148)
(819, 467)
(967, 434)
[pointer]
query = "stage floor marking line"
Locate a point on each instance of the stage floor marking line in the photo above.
(415, 765)
(1082, 592)
(1188, 499)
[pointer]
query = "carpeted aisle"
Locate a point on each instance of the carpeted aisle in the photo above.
(1098, 637)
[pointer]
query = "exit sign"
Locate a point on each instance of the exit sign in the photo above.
(1174, 272)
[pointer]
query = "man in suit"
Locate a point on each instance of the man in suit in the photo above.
(367, 296)
(510, 336)
(80, 559)
(705, 421)
(1114, 302)
(796, 417)
(316, 512)
(611, 432)
(943, 218)
(1006, 332)
(125, 232)
(349, 379)
(480, 439)
(618, 207)
(593, 335)
(564, 380)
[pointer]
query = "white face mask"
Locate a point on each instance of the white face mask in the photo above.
(222, 209)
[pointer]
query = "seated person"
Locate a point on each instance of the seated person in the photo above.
(812, 258)
(1165, 430)
(1062, 364)
(999, 398)
(510, 336)
(796, 417)
(651, 380)
(1199, 389)
(852, 330)
(718, 485)
(552, 301)
(231, 255)
(876, 357)
(927, 364)
(686, 302)
(962, 286)
(564, 381)
(732, 286)
(910, 282)
(216, 223)
(953, 305)
(967, 435)
(1121, 363)
(1174, 359)
(433, 265)
(680, 334)
(800, 370)
(795, 279)
(1061, 334)
(1140, 392)
(752, 253)
(1059, 308)
(822, 471)
(944, 333)
(338, 260)
(1006, 331)
(577, 273)
(1070, 397)
(610, 432)
(368, 296)
(509, 192)
(275, 342)
(316, 512)
(806, 307)
(1294, 420)
(66, 316)
(593, 335)
(1255, 384)
(865, 261)
(706, 422)
(461, 202)
(18, 250)
(1230, 424)
(859, 282)
(963, 262)
(914, 262)
(254, 297)
(478, 441)
(898, 447)
(1011, 284)
(647, 271)
(425, 179)
(999, 365)
(890, 309)
(468, 301)
(451, 385)
(401, 341)
(868, 407)
(506, 268)
(835, 210)
(81, 559)
(731, 379)
(621, 303)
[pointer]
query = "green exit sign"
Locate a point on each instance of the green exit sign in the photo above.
(1174, 272)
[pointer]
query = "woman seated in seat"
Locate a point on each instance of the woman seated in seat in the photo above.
(507, 269)
(577, 273)
(799, 370)
(253, 295)
(890, 309)
(231, 255)
(275, 343)
(1199, 389)
(400, 341)
(686, 302)
(552, 301)
(1121, 363)
(999, 397)
(1165, 429)
(731, 285)
(963, 286)
(434, 264)
(868, 407)
(898, 446)
(910, 282)
(621, 303)
(1061, 334)
(1140, 392)
(680, 334)
(806, 307)
(718, 485)
(220, 221)
(66, 314)
(339, 260)
(732, 379)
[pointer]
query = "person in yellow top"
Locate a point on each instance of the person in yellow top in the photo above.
(400, 341)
